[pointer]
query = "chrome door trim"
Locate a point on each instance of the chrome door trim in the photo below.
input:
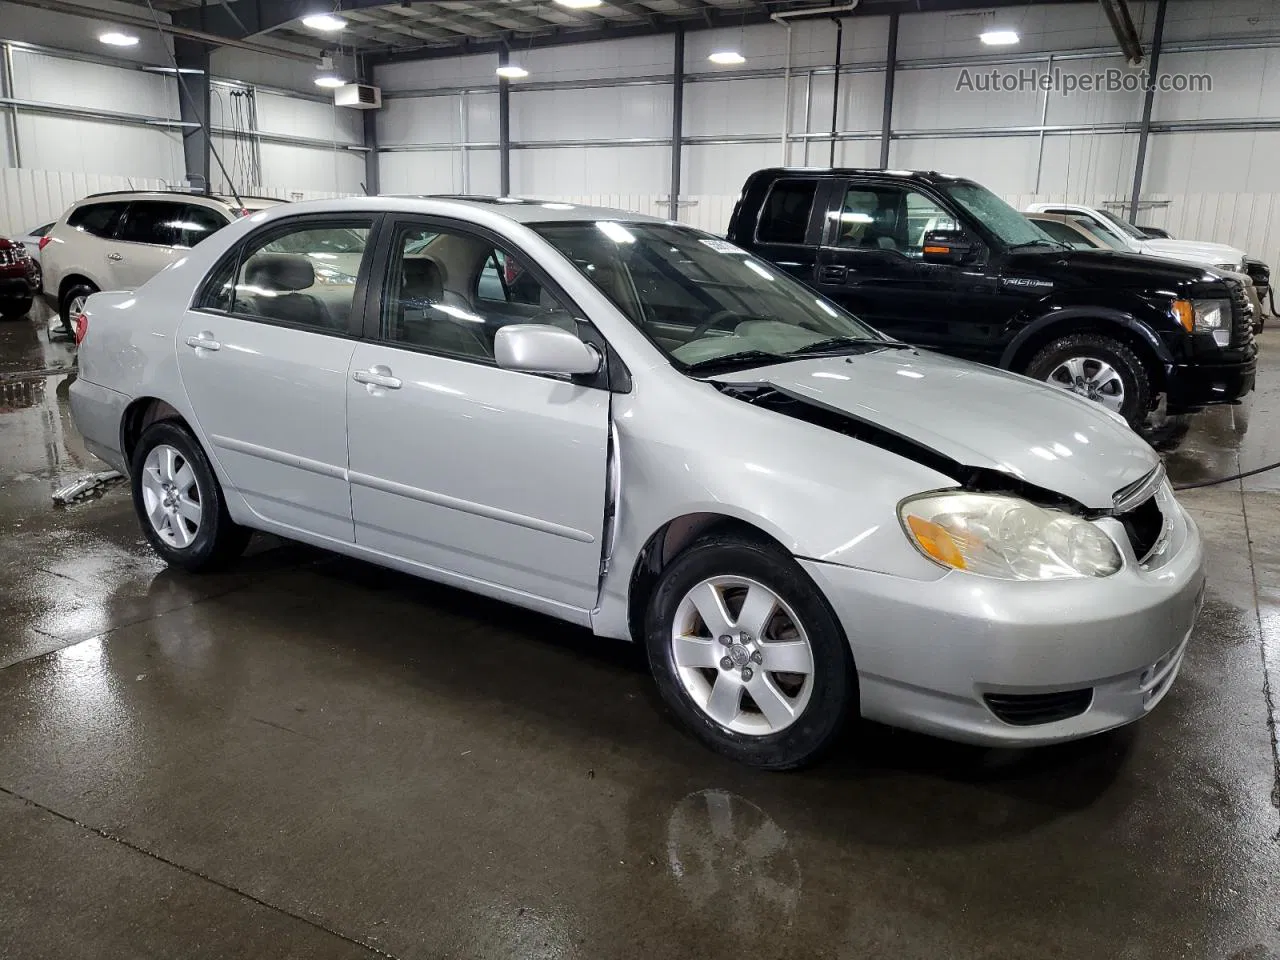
(467, 506)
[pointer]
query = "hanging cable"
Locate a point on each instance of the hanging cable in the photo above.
(1235, 476)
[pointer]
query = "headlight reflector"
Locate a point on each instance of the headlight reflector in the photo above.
(1205, 316)
(1007, 538)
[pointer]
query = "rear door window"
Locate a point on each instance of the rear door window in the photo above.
(786, 212)
(97, 219)
(154, 222)
(197, 223)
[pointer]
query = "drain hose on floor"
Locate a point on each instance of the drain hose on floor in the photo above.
(1216, 480)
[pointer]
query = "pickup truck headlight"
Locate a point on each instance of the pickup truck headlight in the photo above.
(1007, 538)
(1205, 316)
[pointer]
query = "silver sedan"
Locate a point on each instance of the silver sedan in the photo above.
(642, 430)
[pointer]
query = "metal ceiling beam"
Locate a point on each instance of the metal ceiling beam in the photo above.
(418, 29)
(1118, 16)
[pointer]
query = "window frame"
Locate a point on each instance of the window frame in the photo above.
(356, 319)
(612, 373)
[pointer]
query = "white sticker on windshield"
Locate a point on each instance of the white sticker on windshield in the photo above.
(723, 246)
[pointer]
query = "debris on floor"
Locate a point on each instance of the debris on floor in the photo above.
(93, 483)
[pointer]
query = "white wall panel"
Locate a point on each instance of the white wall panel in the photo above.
(307, 118)
(39, 76)
(1197, 163)
(66, 32)
(85, 146)
(1246, 83)
(813, 45)
(638, 57)
(283, 72)
(439, 171)
(306, 168)
(1041, 27)
(572, 170)
(29, 198)
(444, 72)
(404, 120)
(928, 100)
(592, 113)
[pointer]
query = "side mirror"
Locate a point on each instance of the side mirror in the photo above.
(947, 246)
(542, 348)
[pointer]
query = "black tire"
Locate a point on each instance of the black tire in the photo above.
(1133, 373)
(15, 309)
(218, 539)
(834, 694)
(64, 306)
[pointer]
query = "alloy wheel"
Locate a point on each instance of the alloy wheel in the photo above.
(171, 496)
(1091, 378)
(742, 655)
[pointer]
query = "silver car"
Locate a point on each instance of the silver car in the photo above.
(642, 430)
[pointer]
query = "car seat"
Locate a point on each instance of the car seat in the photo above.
(419, 320)
(274, 281)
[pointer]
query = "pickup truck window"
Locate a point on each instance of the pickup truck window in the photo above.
(701, 300)
(1010, 226)
(889, 218)
(785, 216)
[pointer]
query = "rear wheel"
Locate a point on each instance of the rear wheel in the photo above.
(73, 303)
(180, 503)
(748, 654)
(13, 309)
(1098, 368)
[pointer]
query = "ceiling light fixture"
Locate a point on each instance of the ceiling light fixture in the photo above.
(579, 4)
(115, 38)
(511, 71)
(326, 22)
(330, 81)
(998, 38)
(727, 57)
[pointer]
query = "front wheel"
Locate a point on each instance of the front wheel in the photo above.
(179, 501)
(748, 654)
(13, 309)
(1098, 368)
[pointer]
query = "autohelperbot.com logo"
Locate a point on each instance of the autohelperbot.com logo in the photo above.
(1065, 83)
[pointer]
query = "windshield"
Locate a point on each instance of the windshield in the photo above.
(1125, 226)
(1011, 227)
(702, 301)
(1104, 231)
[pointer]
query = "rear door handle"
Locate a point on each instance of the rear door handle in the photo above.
(114, 256)
(204, 342)
(833, 273)
(377, 376)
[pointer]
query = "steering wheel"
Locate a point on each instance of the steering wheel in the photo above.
(715, 319)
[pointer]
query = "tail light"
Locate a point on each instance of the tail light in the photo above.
(81, 320)
(44, 241)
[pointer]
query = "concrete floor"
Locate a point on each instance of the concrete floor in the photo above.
(312, 757)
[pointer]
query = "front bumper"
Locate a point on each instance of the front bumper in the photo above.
(19, 288)
(1194, 386)
(928, 653)
(98, 413)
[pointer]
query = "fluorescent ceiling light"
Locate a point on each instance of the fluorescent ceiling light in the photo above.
(727, 57)
(330, 81)
(512, 72)
(579, 4)
(998, 38)
(115, 38)
(324, 21)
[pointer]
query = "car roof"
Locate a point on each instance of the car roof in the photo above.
(535, 211)
(919, 176)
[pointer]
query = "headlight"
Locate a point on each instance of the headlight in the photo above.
(1230, 267)
(1007, 538)
(1205, 316)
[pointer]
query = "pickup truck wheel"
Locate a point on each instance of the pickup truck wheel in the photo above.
(1099, 368)
(180, 503)
(748, 654)
(73, 303)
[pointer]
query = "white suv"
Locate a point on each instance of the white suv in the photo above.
(119, 241)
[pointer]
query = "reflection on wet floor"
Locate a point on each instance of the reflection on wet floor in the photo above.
(308, 756)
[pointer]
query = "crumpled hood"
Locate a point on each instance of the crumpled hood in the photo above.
(1194, 251)
(976, 415)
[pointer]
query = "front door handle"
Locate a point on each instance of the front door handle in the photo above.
(204, 342)
(115, 257)
(377, 376)
(833, 273)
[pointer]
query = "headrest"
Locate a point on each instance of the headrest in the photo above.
(422, 279)
(279, 272)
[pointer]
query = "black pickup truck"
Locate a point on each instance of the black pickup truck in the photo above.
(943, 262)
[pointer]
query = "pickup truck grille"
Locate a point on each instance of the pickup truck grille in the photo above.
(10, 255)
(1241, 317)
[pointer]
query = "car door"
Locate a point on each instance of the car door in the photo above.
(264, 356)
(872, 262)
(457, 465)
(145, 243)
(789, 227)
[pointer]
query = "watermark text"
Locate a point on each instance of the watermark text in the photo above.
(1112, 80)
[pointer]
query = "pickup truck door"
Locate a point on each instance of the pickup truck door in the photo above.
(494, 476)
(871, 262)
(789, 226)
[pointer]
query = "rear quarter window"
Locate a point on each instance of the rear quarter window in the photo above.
(97, 219)
(785, 215)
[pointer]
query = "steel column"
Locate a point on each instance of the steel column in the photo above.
(835, 92)
(504, 127)
(1044, 119)
(890, 72)
(677, 121)
(1147, 104)
(194, 107)
(369, 120)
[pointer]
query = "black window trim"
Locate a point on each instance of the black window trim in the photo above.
(818, 201)
(611, 368)
(354, 220)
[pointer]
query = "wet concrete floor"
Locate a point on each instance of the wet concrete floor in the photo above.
(312, 757)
